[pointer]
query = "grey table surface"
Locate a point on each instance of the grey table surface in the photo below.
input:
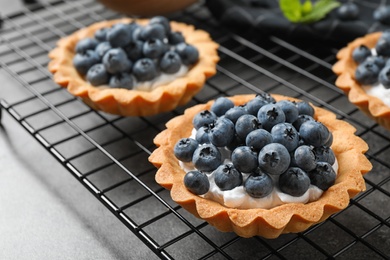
(41, 213)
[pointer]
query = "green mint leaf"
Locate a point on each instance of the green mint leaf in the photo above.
(306, 8)
(320, 9)
(291, 9)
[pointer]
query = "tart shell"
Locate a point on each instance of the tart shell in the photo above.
(345, 69)
(269, 223)
(134, 102)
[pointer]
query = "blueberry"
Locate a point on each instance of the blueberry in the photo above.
(153, 31)
(348, 11)
(101, 34)
(290, 110)
(97, 75)
(258, 138)
(330, 140)
(382, 46)
(246, 124)
(136, 33)
(258, 184)
(285, 134)
(236, 142)
(115, 61)
(102, 48)
(203, 118)
(153, 48)
(134, 50)
(367, 73)
(227, 177)
(221, 132)
(83, 61)
(122, 80)
(305, 158)
(206, 158)
(325, 154)
(314, 133)
(301, 119)
(382, 14)
(221, 105)
(235, 112)
(86, 44)
(175, 38)
(380, 61)
(144, 69)
(323, 176)
(185, 148)
(163, 21)
(188, 53)
(384, 77)
(120, 35)
(274, 158)
(260, 100)
(196, 182)
(170, 62)
(202, 135)
(294, 182)
(360, 53)
(266, 97)
(270, 115)
(304, 108)
(244, 159)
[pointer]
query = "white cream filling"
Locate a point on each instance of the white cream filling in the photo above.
(378, 90)
(239, 198)
(160, 80)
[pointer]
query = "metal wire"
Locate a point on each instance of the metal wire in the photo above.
(248, 65)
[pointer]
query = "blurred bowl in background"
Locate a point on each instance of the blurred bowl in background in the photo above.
(146, 7)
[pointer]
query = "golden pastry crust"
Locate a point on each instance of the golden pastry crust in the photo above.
(270, 223)
(345, 69)
(134, 102)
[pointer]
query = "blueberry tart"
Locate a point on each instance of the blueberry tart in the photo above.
(260, 165)
(363, 70)
(134, 67)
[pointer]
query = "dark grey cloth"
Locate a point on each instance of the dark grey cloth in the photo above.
(265, 16)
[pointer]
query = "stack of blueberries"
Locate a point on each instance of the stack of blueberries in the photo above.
(374, 66)
(271, 143)
(127, 53)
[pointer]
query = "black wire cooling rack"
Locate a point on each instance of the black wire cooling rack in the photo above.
(108, 154)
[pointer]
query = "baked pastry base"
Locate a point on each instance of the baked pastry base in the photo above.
(134, 102)
(269, 223)
(345, 69)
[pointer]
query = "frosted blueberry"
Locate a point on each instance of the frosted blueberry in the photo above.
(294, 182)
(83, 61)
(270, 115)
(197, 182)
(258, 184)
(258, 138)
(97, 75)
(244, 159)
(221, 132)
(323, 176)
(274, 158)
(185, 148)
(246, 124)
(285, 134)
(206, 158)
(86, 44)
(122, 80)
(203, 118)
(227, 177)
(221, 105)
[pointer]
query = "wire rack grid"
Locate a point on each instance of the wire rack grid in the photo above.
(108, 154)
